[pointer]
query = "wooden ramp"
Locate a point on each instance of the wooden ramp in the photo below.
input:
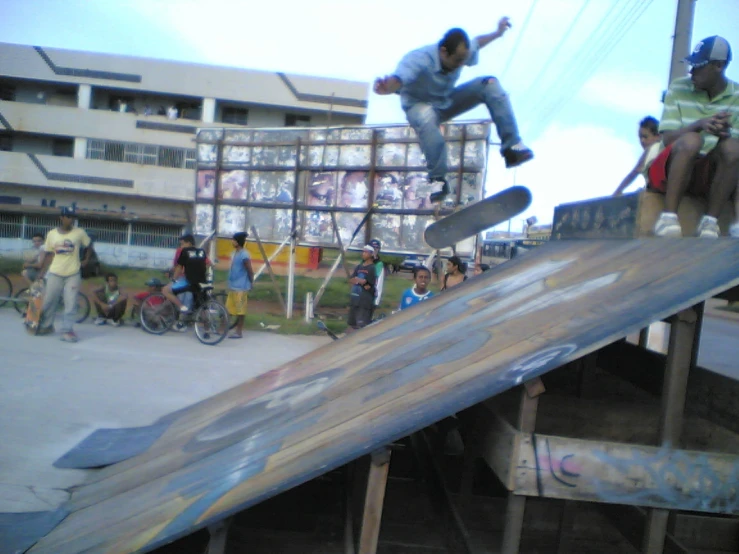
(533, 314)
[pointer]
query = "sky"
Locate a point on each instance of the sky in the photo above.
(580, 73)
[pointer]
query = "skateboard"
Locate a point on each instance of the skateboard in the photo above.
(477, 217)
(33, 312)
(322, 326)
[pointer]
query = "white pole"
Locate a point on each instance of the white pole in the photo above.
(291, 280)
(308, 307)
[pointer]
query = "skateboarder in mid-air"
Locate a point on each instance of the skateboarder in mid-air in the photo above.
(425, 80)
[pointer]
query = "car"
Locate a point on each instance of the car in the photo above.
(410, 263)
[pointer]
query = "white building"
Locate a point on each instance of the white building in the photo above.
(114, 135)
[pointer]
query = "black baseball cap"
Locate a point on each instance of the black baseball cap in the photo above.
(67, 211)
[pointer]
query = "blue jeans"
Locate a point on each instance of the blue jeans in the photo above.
(57, 286)
(425, 120)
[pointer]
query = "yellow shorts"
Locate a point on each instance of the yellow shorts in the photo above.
(236, 302)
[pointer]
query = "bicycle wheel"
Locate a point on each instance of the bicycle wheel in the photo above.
(157, 314)
(221, 297)
(24, 297)
(81, 308)
(6, 289)
(211, 323)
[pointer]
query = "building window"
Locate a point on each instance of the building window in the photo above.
(7, 92)
(96, 149)
(191, 158)
(63, 147)
(237, 116)
(114, 151)
(295, 120)
(144, 154)
(6, 142)
(171, 157)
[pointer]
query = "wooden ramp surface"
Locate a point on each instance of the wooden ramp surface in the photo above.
(528, 316)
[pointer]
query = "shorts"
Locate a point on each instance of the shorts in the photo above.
(700, 181)
(236, 302)
(181, 285)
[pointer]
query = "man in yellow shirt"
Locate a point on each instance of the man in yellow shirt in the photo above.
(61, 266)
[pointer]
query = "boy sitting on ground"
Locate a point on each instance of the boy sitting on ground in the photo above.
(110, 302)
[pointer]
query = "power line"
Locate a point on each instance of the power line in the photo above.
(519, 39)
(557, 48)
(615, 38)
(590, 61)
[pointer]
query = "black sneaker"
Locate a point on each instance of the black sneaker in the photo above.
(439, 190)
(516, 155)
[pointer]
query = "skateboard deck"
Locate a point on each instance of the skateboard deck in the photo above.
(33, 312)
(477, 217)
(322, 326)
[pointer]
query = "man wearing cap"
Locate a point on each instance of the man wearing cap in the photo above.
(240, 280)
(700, 141)
(362, 294)
(425, 80)
(61, 267)
(379, 271)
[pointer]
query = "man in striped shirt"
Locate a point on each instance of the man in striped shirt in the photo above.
(700, 137)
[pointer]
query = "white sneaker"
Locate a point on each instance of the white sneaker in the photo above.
(734, 230)
(184, 309)
(668, 226)
(100, 321)
(708, 228)
(116, 323)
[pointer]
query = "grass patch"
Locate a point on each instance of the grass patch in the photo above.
(332, 308)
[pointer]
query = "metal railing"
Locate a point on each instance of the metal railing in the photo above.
(143, 154)
(160, 235)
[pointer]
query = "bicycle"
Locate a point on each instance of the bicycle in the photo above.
(82, 311)
(221, 296)
(210, 318)
(6, 289)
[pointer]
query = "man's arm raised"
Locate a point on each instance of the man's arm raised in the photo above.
(387, 85)
(503, 25)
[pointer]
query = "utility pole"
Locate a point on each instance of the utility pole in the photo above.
(681, 41)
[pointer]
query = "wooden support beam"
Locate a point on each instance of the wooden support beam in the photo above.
(374, 497)
(275, 285)
(342, 252)
(516, 505)
(349, 485)
(607, 471)
(680, 358)
(631, 522)
(218, 537)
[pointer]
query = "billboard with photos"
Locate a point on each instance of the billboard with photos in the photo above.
(293, 179)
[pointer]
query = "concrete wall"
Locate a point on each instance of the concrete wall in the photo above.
(193, 80)
(33, 196)
(114, 255)
(148, 181)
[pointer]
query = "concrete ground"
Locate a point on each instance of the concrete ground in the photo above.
(54, 394)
